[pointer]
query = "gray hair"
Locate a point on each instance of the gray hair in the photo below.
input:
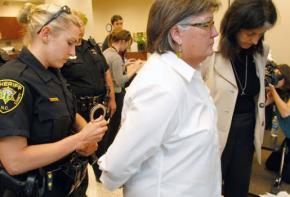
(182, 26)
(164, 14)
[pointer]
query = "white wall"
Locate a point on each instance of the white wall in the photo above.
(10, 9)
(84, 6)
(278, 37)
(219, 14)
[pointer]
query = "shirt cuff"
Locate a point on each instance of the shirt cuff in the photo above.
(105, 178)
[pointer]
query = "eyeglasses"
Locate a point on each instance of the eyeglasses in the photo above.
(63, 9)
(206, 25)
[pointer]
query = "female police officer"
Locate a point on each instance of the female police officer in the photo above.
(37, 114)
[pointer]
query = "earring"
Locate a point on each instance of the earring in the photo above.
(179, 51)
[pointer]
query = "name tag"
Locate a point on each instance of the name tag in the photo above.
(54, 99)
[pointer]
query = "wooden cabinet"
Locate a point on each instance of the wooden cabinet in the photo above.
(10, 28)
(137, 55)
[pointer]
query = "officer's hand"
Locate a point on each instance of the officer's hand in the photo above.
(92, 132)
(87, 150)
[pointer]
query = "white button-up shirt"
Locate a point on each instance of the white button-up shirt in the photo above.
(167, 145)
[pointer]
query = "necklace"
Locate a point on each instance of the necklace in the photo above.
(238, 79)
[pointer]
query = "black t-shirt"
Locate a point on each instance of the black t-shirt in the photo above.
(34, 101)
(86, 73)
(246, 103)
(105, 43)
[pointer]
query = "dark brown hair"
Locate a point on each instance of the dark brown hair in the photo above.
(245, 14)
(164, 14)
(120, 34)
(285, 71)
(115, 18)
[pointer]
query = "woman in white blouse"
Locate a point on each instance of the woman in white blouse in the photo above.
(167, 144)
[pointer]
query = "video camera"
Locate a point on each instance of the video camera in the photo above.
(271, 74)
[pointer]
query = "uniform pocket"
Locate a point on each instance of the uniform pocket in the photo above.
(51, 122)
(51, 110)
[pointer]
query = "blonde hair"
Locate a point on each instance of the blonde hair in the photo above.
(33, 17)
(82, 17)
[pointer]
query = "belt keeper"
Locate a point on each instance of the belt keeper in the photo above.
(49, 180)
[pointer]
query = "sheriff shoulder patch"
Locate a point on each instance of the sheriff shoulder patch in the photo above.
(11, 94)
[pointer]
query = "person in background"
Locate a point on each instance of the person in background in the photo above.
(280, 96)
(41, 135)
(4, 57)
(89, 77)
(117, 23)
(235, 78)
(119, 41)
(168, 141)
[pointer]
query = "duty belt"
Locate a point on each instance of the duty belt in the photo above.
(86, 103)
(69, 174)
(33, 186)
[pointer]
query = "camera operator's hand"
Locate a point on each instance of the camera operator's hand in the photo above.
(271, 89)
(269, 95)
(91, 133)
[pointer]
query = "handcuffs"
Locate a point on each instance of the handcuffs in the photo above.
(99, 110)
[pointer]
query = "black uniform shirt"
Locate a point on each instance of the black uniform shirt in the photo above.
(86, 73)
(34, 101)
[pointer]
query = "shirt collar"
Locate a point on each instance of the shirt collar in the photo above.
(180, 66)
(83, 46)
(32, 62)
